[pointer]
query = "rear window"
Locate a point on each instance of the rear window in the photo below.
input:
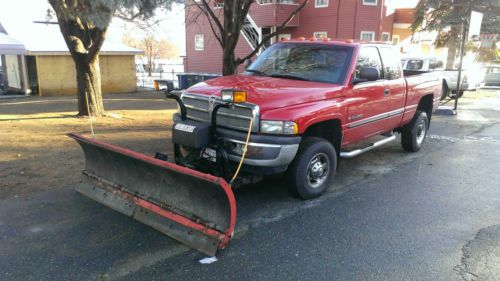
(392, 66)
(414, 65)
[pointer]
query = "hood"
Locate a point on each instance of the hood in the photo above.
(269, 92)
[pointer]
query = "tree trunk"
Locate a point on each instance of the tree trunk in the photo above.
(229, 66)
(452, 48)
(88, 79)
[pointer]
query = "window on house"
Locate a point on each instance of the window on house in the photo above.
(321, 3)
(320, 34)
(199, 44)
(367, 35)
(386, 37)
(370, 2)
(284, 37)
(392, 64)
(395, 39)
(368, 57)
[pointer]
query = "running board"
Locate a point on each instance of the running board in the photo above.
(356, 152)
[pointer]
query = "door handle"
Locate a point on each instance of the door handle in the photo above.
(386, 92)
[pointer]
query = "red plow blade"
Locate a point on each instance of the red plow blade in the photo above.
(197, 209)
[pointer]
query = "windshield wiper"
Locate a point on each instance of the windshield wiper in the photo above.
(256, 71)
(289, 76)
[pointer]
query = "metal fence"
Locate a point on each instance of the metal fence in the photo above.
(146, 81)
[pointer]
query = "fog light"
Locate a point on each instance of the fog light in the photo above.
(233, 96)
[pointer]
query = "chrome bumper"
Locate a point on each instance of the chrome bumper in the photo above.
(262, 151)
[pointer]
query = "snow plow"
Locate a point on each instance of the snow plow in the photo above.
(197, 209)
(194, 207)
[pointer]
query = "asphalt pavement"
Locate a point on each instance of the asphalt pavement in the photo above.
(389, 215)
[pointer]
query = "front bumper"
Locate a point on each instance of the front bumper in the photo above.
(262, 151)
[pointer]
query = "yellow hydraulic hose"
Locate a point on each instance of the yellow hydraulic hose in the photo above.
(244, 151)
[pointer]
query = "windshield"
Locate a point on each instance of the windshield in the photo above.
(309, 62)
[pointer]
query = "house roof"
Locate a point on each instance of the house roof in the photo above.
(10, 46)
(46, 39)
(405, 15)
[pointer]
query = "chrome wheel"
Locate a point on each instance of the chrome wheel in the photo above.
(421, 131)
(317, 170)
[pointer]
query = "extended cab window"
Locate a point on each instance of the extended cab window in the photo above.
(368, 57)
(309, 62)
(392, 65)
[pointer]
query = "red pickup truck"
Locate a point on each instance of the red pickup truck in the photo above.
(303, 104)
(297, 109)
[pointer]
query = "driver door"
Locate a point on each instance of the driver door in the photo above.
(367, 111)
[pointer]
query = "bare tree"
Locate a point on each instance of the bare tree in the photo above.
(153, 49)
(226, 27)
(84, 24)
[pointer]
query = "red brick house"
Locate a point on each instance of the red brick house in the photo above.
(345, 19)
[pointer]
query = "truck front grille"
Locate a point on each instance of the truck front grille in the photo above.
(237, 117)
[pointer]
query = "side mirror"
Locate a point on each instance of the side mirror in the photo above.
(247, 63)
(367, 74)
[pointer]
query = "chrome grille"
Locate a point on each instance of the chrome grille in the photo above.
(238, 117)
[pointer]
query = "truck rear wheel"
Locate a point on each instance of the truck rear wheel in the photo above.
(314, 166)
(413, 134)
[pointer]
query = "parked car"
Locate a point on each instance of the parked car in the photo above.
(491, 76)
(449, 76)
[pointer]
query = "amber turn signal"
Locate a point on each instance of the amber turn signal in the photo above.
(239, 96)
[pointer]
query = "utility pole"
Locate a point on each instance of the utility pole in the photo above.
(465, 24)
(465, 30)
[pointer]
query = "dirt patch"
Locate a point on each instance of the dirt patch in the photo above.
(35, 154)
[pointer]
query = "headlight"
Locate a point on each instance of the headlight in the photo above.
(278, 127)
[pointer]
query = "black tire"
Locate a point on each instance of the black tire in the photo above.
(413, 134)
(315, 155)
(444, 91)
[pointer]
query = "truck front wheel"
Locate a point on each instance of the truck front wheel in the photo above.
(413, 134)
(314, 166)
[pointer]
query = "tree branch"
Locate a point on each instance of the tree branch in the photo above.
(272, 34)
(210, 22)
(206, 8)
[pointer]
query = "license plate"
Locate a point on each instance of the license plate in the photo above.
(184, 127)
(209, 154)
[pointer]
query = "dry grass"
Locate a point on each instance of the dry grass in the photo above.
(35, 154)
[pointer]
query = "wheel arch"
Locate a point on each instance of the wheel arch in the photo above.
(426, 105)
(330, 130)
